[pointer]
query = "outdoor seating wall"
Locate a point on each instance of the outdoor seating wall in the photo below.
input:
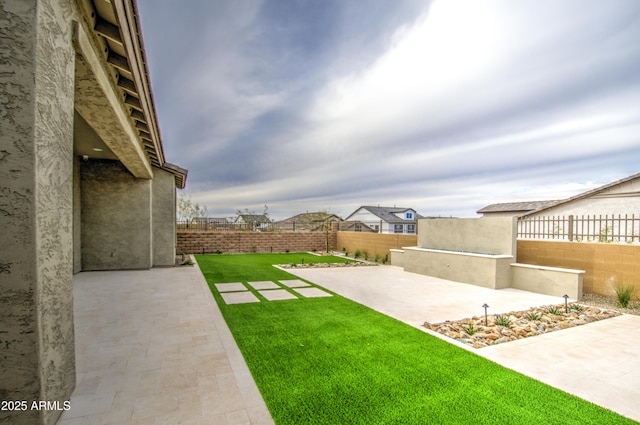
(605, 264)
(488, 271)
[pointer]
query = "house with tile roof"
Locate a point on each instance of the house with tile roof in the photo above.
(618, 197)
(510, 209)
(383, 220)
(310, 221)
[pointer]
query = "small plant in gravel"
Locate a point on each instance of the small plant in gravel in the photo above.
(346, 252)
(576, 307)
(624, 291)
(365, 254)
(503, 321)
(553, 310)
(533, 316)
(470, 330)
(357, 254)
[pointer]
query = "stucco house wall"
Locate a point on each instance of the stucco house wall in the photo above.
(116, 218)
(621, 199)
(60, 214)
(36, 168)
(163, 209)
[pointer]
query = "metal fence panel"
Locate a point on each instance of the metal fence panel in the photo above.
(584, 228)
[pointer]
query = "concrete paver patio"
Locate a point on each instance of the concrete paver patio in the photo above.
(599, 362)
(153, 348)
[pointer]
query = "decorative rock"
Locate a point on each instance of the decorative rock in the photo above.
(521, 326)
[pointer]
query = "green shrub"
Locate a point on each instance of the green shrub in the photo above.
(365, 254)
(532, 317)
(357, 254)
(553, 310)
(624, 292)
(503, 321)
(576, 307)
(471, 329)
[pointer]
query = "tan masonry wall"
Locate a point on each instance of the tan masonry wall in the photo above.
(604, 264)
(374, 243)
(230, 242)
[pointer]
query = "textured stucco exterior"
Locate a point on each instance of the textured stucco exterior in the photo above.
(488, 271)
(548, 280)
(60, 214)
(164, 218)
(116, 217)
(480, 235)
(481, 252)
(36, 305)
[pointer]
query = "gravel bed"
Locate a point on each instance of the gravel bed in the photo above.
(610, 303)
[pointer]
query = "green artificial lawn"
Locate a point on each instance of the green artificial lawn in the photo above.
(333, 361)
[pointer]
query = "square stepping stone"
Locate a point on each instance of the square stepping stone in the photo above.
(230, 287)
(239, 297)
(278, 294)
(312, 292)
(294, 283)
(264, 285)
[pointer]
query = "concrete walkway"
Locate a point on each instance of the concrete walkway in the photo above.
(152, 348)
(599, 362)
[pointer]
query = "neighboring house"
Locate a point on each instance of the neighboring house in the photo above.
(510, 209)
(254, 221)
(210, 220)
(86, 182)
(208, 223)
(618, 197)
(382, 220)
(311, 221)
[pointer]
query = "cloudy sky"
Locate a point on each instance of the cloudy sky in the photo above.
(442, 106)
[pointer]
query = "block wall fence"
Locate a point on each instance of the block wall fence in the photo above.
(374, 243)
(230, 242)
(604, 263)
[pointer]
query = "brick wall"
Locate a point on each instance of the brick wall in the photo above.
(374, 243)
(604, 263)
(230, 242)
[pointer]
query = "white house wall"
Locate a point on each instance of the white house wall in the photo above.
(621, 199)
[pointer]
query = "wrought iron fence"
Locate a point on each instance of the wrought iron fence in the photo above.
(584, 228)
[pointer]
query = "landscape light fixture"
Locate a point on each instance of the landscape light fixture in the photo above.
(566, 305)
(486, 306)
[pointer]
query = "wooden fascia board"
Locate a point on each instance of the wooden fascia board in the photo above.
(126, 22)
(125, 145)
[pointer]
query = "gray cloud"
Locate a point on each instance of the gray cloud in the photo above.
(444, 107)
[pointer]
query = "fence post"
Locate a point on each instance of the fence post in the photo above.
(571, 227)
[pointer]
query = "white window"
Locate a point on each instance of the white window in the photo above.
(409, 216)
(411, 228)
(398, 228)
